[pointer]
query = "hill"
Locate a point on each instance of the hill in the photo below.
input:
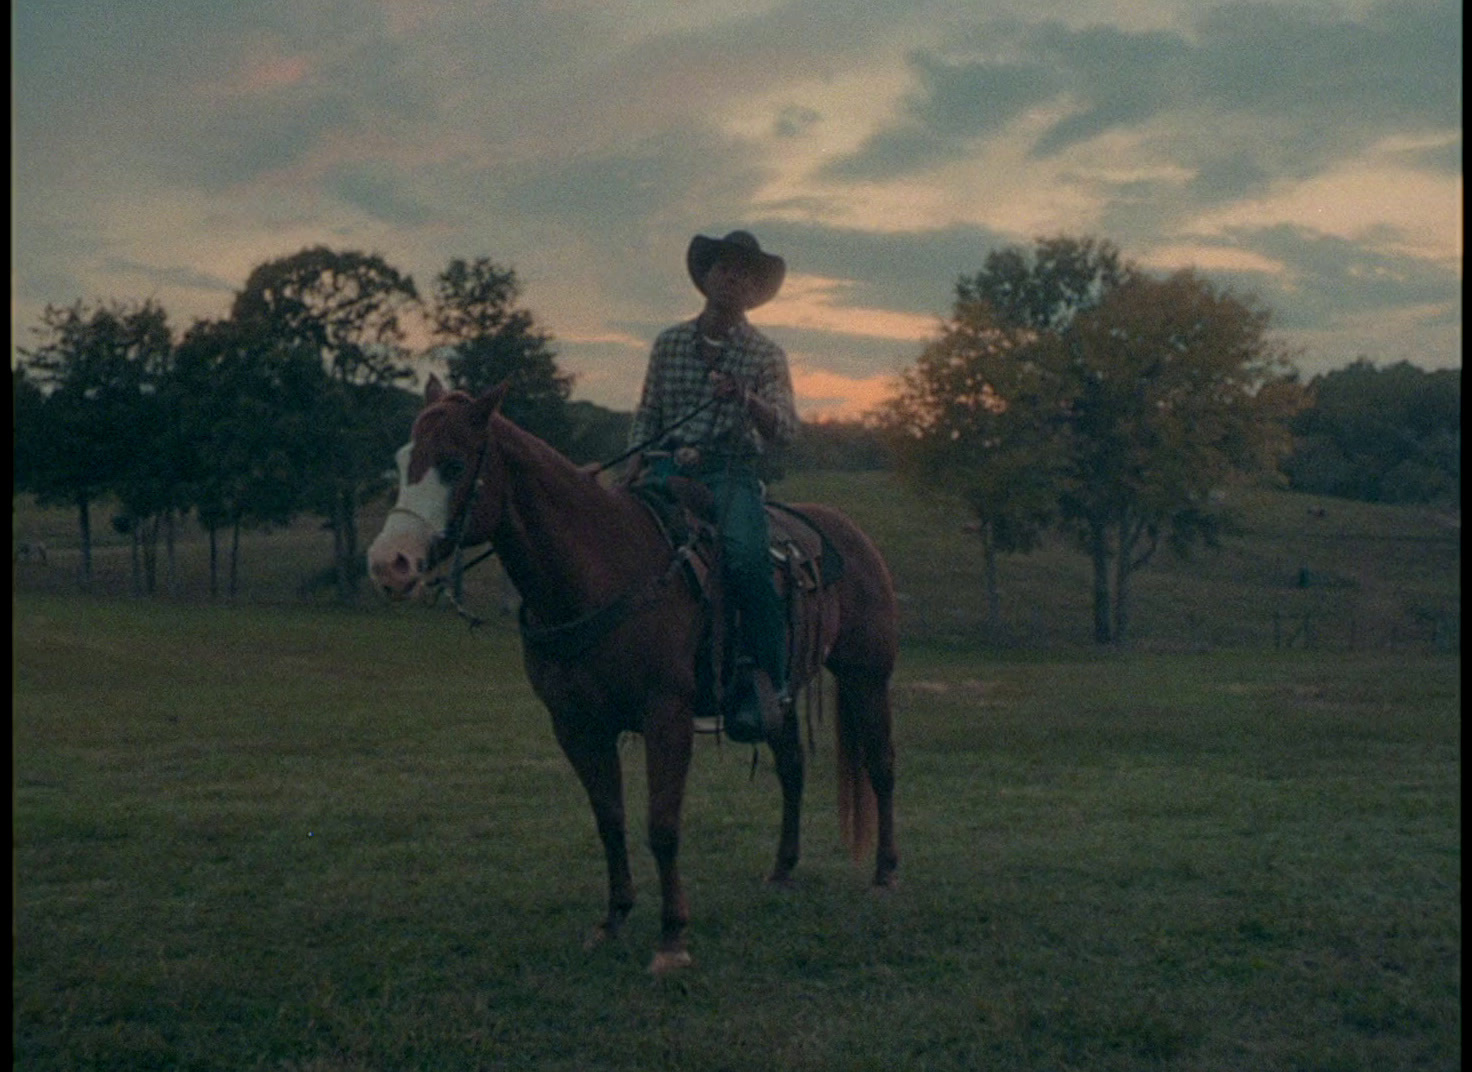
(1303, 570)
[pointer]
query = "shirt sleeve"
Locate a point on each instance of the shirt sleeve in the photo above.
(775, 389)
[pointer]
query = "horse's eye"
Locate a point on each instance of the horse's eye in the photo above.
(451, 469)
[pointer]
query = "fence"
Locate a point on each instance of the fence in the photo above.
(1434, 630)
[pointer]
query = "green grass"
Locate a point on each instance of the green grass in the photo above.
(1379, 576)
(293, 838)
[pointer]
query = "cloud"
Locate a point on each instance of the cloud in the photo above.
(953, 103)
(825, 395)
(808, 302)
(794, 120)
(1208, 258)
(1372, 201)
(379, 193)
(884, 147)
(172, 276)
(1329, 275)
(911, 271)
(1280, 88)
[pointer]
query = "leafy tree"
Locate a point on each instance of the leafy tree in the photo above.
(852, 445)
(595, 434)
(1044, 291)
(1174, 387)
(96, 369)
(1070, 388)
(249, 412)
(976, 418)
(473, 313)
(1388, 434)
(150, 490)
(27, 409)
(978, 415)
(341, 312)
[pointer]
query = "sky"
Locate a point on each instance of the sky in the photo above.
(1307, 152)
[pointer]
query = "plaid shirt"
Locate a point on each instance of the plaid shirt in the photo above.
(678, 382)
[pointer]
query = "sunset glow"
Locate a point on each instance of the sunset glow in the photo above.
(882, 153)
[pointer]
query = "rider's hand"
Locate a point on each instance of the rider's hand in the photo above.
(727, 386)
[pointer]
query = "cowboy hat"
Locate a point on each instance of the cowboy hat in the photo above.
(768, 268)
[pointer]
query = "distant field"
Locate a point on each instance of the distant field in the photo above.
(1305, 572)
(291, 837)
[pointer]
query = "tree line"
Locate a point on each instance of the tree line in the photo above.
(1069, 390)
(291, 404)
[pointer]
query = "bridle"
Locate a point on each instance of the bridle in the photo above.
(454, 532)
(449, 541)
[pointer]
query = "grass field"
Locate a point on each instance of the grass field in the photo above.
(294, 838)
(1378, 576)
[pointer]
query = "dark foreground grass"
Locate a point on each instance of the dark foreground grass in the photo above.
(303, 840)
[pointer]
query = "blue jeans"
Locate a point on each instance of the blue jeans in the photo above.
(746, 560)
(747, 566)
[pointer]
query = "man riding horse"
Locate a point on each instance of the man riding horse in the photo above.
(736, 382)
(611, 638)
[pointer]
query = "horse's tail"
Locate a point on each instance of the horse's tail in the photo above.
(863, 714)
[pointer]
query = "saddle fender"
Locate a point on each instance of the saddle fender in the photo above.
(805, 564)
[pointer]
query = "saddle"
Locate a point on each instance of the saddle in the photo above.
(805, 564)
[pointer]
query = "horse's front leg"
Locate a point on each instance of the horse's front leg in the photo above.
(787, 751)
(597, 766)
(668, 736)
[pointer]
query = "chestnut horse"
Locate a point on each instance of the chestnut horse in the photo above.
(594, 560)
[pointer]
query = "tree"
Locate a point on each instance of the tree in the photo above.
(249, 411)
(150, 489)
(1388, 434)
(1071, 388)
(1063, 277)
(975, 418)
(848, 444)
(340, 312)
(978, 415)
(595, 433)
(96, 368)
(28, 422)
(473, 313)
(1174, 387)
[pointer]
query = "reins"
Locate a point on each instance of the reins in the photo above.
(454, 533)
(656, 437)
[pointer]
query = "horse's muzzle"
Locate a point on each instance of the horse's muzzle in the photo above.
(397, 575)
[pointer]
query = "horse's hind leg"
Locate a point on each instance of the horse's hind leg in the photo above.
(598, 769)
(881, 775)
(787, 751)
(866, 767)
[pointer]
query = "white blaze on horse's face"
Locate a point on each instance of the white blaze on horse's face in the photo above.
(399, 556)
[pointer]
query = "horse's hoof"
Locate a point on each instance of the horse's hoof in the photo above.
(666, 962)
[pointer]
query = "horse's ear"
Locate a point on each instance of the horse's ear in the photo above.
(433, 390)
(488, 404)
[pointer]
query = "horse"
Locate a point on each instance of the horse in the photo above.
(593, 565)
